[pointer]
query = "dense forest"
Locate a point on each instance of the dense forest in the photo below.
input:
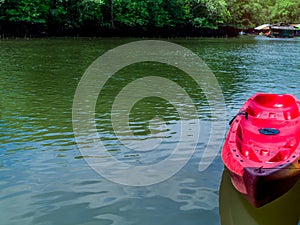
(99, 17)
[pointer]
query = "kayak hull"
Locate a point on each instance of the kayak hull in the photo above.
(259, 189)
(261, 151)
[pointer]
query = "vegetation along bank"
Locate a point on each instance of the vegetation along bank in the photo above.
(141, 17)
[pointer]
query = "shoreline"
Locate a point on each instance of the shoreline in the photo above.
(36, 31)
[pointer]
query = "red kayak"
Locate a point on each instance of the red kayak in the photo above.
(262, 149)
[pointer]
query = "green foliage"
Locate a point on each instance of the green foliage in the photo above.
(153, 13)
(209, 13)
(31, 11)
(130, 12)
(286, 11)
(75, 14)
(251, 13)
(246, 14)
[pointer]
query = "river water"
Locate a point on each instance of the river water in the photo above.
(46, 179)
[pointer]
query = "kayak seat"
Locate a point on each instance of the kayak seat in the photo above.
(271, 106)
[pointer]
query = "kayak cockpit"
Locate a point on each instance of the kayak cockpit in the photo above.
(265, 130)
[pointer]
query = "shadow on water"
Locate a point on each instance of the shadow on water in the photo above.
(235, 209)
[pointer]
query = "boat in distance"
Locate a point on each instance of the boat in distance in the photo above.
(262, 149)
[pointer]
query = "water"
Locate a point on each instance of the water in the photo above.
(44, 179)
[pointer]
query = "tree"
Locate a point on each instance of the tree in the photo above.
(73, 14)
(247, 14)
(149, 13)
(209, 13)
(250, 13)
(286, 11)
(31, 11)
(130, 13)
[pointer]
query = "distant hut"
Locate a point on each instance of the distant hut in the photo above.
(262, 29)
(281, 30)
(296, 29)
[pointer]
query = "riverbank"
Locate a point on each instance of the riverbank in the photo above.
(21, 29)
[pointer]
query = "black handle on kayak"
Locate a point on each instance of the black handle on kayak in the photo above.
(269, 131)
(242, 113)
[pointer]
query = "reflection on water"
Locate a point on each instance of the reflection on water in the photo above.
(236, 210)
(45, 180)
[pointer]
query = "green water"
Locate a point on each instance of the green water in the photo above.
(44, 178)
